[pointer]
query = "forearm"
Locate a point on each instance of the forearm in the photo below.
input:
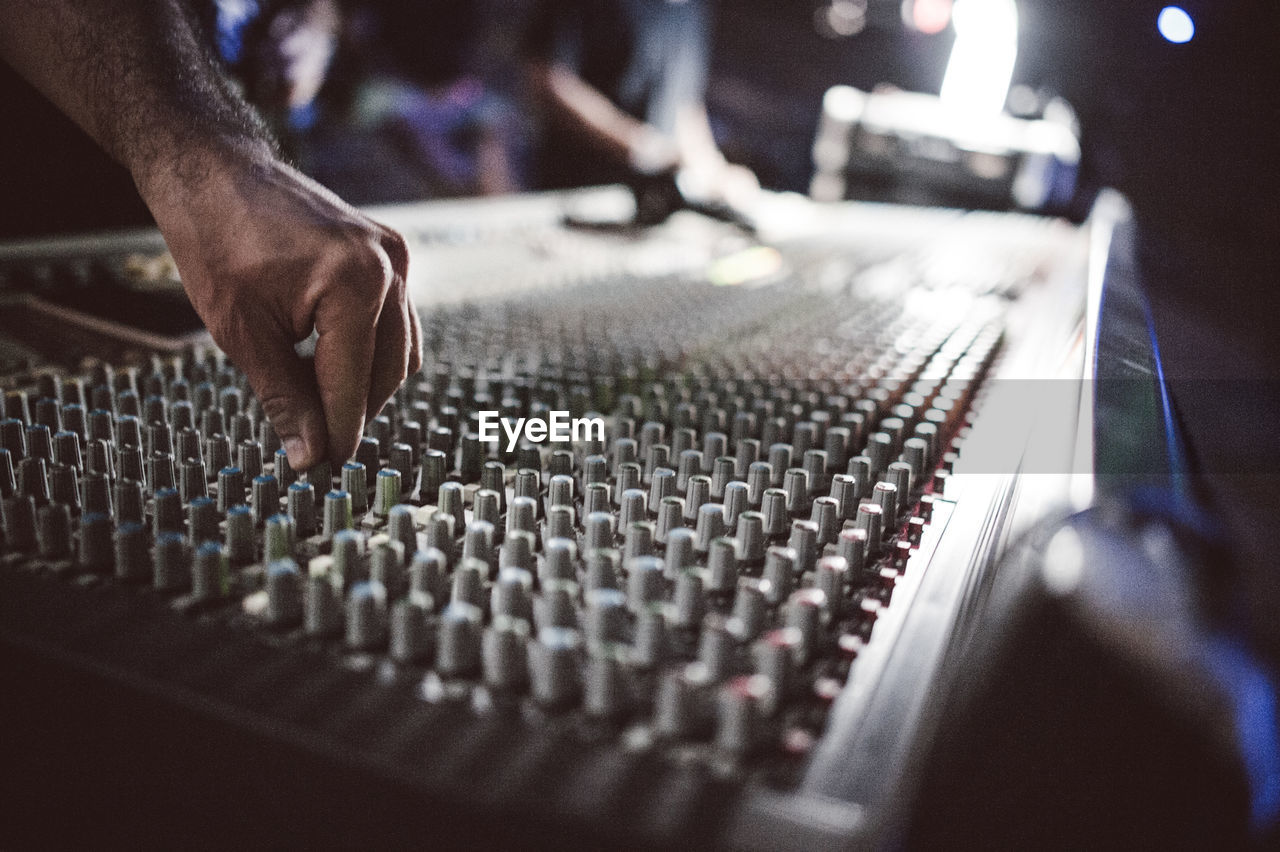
(136, 77)
(586, 110)
(266, 255)
(694, 138)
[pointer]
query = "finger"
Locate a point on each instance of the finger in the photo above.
(391, 354)
(398, 253)
(346, 322)
(285, 385)
(415, 339)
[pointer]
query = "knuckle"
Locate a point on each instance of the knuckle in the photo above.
(358, 272)
(365, 263)
(397, 250)
(277, 405)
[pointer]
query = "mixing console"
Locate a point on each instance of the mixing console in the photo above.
(647, 626)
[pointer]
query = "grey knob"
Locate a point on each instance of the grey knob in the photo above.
(885, 495)
(826, 514)
(638, 540)
(805, 610)
(804, 541)
(95, 543)
(716, 646)
(427, 577)
(387, 489)
(477, 542)
(559, 557)
(687, 602)
(676, 707)
(555, 607)
(210, 572)
(680, 552)
(468, 583)
(132, 559)
(402, 527)
(780, 573)
(832, 578)
(606, 616)
(518, 551)
(410, 632)
(870, 520)
(670, 518)
(644, 582)
(339, 513)
(355, 483)
(512, 594)
(239, 535)
(735, 503)
(711, 525)
(553, 667)
(851, 545)
(55, 531)
(750, 609)
(601, 569)
(505, 653)
(750, 536)
(301, 505)
(650, 646)
(604, 690)
(739, 709)
(347, 549)
(172, 563)
(776, 655)
(166, 511)
(386, 565)
(366, 616)
(230, 488)
(322, 607)
(278, 538)
(284, 593)
(773, 507)
(599, 531)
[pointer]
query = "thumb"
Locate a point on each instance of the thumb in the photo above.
(285, 384)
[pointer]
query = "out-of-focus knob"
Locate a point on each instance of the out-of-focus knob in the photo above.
(553, 667)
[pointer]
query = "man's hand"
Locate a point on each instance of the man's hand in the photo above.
(266, 256)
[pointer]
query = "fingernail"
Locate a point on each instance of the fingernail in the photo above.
(296, 449)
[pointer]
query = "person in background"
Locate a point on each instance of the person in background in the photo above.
(281, 53)
(621, 86)
(439, 88)
(381, 102)
(266, 255)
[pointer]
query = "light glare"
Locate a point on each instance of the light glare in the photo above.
(981, 65)
(931, 16)
(1176, 25)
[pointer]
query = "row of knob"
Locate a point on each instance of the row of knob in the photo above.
(701, 567)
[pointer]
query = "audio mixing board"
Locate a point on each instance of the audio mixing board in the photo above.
(724, 615)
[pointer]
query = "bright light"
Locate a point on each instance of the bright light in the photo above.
(1176, 25)
(930, 16)
(982, 59)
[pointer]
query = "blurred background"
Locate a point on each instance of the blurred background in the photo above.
(386, 101)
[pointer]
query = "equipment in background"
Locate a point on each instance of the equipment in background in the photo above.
(915, 148)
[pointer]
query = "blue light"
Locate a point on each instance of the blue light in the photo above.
(1176, 25)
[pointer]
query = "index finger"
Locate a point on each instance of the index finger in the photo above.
(346, 319)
